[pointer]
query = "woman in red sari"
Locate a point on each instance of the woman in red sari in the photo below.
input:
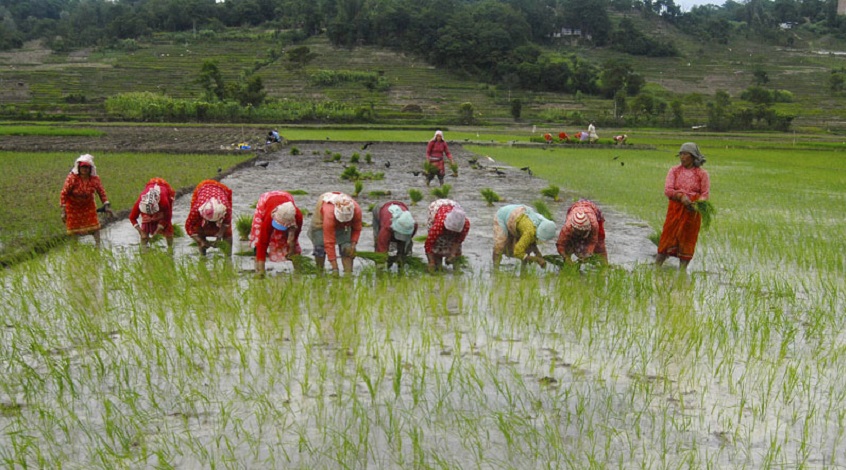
(79, 211)
(685, 184)
(436, 150)
(210, 216)
(275, 232)
(155, 209)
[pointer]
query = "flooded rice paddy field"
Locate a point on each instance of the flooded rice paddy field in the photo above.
(116, 359)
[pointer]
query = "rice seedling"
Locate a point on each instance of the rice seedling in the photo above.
(552, 191)
(542, 209)
(295, 151)
(368, 158)
(441, 192)
(355, 157)
(336, 157)
(430, 169)
(453, 166)
(243, 224)
(706, 210)
(358, 186)
(415, 195)
(379, 193)
(298, 192)
(490, 196)
(351, 173)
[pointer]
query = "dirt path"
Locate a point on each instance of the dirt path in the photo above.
(627, 238)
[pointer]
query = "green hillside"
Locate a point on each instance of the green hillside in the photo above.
(34, 82)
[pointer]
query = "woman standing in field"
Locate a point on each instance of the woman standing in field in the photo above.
(155, 208)
(436, 150)
(79, 212)
(210, 216)
(448, 227)
(685, 184)
(517, 229)
(276, 228)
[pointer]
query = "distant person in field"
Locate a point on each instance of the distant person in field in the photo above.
(210, 216)
(686, 183)
(335, 227)
(517, 229)
(275, 232)
(592, 136)
(583, 233)
(79, 211)
(448, 227)
(273, 137)
(393, 229)
(154, 208)
(436, 150)
(620, 139)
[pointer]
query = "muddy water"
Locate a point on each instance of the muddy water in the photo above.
(627, 238)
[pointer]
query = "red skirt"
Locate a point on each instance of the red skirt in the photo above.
(680, 233)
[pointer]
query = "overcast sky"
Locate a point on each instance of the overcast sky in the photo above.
(687, 4)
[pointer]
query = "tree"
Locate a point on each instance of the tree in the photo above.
(298, 57)
(211, 81)
(619, 75)
(516, 108)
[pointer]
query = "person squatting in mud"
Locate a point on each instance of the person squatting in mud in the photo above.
(336, 223)
(276, 227)
(583, 233)
(210, 216)
(517, 229)
(448, 227)
(154, 207)
(436, 150)
(393, 227)
(79, 211)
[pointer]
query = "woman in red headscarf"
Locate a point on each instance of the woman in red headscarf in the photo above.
(79, 211)
(155, 209)
(210, 215)
(448, 227)
(436, 150)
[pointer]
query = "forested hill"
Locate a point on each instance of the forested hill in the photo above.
(628, 52)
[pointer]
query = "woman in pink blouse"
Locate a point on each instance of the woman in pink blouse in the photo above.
(685, 184)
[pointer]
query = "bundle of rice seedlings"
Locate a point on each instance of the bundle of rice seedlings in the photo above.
(490, 196)
(551, 191)
(368, 158)
(441, 192)
(298, 192)
(557, 260)
(454, 168)
(543, 209)
(303, 264)
(420, 238)
(379, 193)
(415, 195)
(430, 169)
(351, 173)
(357, 188)
(355, 158)
(707, 210)
(378, 258)
(243, 224)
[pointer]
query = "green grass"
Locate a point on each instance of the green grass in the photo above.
(50, 131)
(32, 182)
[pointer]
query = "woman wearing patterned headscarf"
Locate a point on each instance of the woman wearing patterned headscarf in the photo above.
(276, 228)
(583, 233)
(336, 222)
(685, 184)
(210, 215)
(79, 211)
(448, 227)
(436, 150)
(155, 209)
(517, 229)
(393, 225)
